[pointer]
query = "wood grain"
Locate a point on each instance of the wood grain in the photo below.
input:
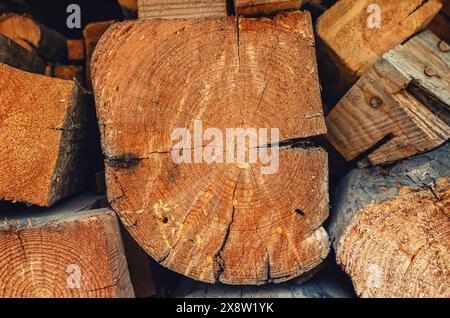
(33, 36)
(182, 9)
(390, 228)
(91, 35)
(214, 222)
(346, 39)
(42, 140)
(265, 7)
(404, 96)
(63, 252)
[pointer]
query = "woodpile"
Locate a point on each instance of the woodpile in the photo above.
(174, 148)
(353, 35)
(403, 101)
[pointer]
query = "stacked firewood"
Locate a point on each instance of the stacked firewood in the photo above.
(356, 89)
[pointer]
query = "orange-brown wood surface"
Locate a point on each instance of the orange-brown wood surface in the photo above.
(214, 222)
(352, 38)
(62, 252)
(43, 126)
(262, 7)
(33, 36)
(182, 9)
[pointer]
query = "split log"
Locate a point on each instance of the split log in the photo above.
(351, 38)
(390, 227)
(16, 56)
(225, 222)
(185, 9)
(129, 8)
(399, 108)
(75, 50)
(34, 37)
(62, 252)
(91, 35)
(42, 137)
(265, 7)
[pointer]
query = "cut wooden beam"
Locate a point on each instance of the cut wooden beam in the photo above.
(42, 138)
(354, 34)
(33, 36)
(14, 55)
(403, 102)
(184, 9)
(191, 217)
(75, 50)
(265, 7)
(390, 228)
(91, 35)
(129, 8)
(62, 252)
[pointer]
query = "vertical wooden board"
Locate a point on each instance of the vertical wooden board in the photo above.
(354, 34)
(206, 221)
(42, 149)
(402, 102)
(265, 7)
(182, 9)
(63, 253)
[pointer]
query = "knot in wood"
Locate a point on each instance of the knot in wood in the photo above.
(376, 102)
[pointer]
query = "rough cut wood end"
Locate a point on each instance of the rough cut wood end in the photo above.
(42, 137)
(214, 222)
(63, 253)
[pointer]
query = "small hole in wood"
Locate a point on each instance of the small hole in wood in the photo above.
(165, 220)
(300, 212)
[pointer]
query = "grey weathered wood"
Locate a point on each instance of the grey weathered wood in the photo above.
(389, 227)
(373, 185)
(328, 283)
(16, 56)
(400, 107)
